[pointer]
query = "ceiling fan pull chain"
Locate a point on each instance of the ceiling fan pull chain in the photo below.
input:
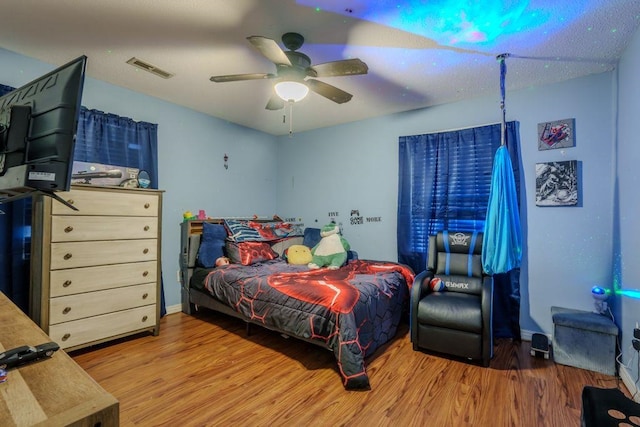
(290, 119)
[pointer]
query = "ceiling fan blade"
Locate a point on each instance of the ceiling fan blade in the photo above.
(346, 67)
(240, 77)
(275, 103)
(270, 49)
(328, 91)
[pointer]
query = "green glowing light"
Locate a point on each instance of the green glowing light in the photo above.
(631, 293)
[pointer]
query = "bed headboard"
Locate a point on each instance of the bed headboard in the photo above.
(190, 233)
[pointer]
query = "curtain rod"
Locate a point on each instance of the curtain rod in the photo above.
(465, 128)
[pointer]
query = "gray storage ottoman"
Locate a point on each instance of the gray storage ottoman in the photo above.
(584, 340)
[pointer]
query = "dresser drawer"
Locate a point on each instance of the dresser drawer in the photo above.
(85, 254)
(104, 202)
(67, 228)
(95, 272)
(87, 279)
(78, 306)
(78, 332)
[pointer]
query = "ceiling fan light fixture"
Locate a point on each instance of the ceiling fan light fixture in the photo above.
(291, 90)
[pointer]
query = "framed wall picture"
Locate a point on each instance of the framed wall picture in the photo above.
(557, 183)
(557, 134)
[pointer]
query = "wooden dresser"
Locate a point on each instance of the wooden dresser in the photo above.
(95, 272)
(50, 392)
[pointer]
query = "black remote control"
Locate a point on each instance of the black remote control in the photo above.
(26, 354)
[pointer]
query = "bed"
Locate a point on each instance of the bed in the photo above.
(351, 311)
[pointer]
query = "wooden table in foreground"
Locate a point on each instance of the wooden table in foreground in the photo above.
(52, 392)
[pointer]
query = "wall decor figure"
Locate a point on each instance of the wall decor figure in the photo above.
(557, 183)
(557, 134)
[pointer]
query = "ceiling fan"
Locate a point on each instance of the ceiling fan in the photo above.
(292, 66)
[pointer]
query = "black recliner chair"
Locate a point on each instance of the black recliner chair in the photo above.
(458, 319)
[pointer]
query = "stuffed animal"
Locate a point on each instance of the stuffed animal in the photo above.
(298, 255)
(332, 249)
(188, 215)
(223, 260)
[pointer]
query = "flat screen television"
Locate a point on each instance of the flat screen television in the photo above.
(38, 125)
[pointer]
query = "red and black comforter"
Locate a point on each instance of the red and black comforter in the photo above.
(352, 310)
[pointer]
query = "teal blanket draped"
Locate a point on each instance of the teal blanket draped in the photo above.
(502, 241)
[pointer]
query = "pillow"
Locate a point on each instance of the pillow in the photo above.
(298, 254)
(211, 244)
(311, 237)
(276, 230)
(243, 231)
(282, 245)
(247, 253)
(240, 231)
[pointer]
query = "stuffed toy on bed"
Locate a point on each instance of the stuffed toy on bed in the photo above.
(332, 249)
(298, 255)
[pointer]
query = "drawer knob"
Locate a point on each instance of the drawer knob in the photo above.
(145, 295)
(147, 205)
(145, 274)
(145, 251)
(66, 283)
(68, 229)
(66, 310)
(146, 228)
(144, 318)
(67, 256)
(71, 201)
(66, 337)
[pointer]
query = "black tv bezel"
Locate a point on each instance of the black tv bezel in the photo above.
(38, 144)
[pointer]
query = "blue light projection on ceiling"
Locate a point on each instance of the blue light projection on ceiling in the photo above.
(461, 23)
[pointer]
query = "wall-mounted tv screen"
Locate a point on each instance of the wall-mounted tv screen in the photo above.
(37, 132)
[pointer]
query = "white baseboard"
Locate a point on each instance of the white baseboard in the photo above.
(176, 308)
(629, 382)
(525, 335)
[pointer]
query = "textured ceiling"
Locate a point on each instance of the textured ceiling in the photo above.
(419, 53)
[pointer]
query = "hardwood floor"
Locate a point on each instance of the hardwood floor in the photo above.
(204, 371)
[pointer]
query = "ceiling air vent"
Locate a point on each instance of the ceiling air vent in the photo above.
(150, 68)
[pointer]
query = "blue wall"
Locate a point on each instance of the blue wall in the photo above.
(191, 147)
(626, 224)
(324, 174)
(355, 166)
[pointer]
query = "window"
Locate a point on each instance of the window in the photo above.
(444, 183)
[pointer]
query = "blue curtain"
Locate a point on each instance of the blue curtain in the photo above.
(101, 138)
(15, 251)
(15, 246)
(444, 184)
(113, 140)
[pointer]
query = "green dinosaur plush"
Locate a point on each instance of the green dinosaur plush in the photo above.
(332, 249)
